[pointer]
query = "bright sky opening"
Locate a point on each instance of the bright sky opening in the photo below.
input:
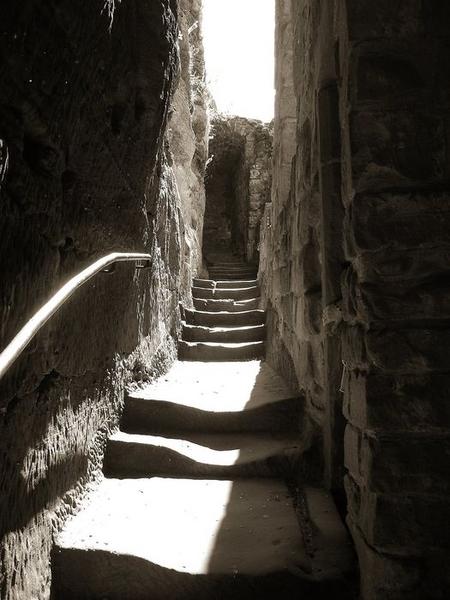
(239, 53)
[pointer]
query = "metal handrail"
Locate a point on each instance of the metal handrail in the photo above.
(38, 320)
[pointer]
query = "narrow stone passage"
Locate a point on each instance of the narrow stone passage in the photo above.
(199, 498)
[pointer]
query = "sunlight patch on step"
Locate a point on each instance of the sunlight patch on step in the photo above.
(218, 387)
(190, 526)
(196, 452)
(171, 523)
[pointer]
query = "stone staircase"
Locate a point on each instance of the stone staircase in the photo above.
(226, 323)
(198, 499)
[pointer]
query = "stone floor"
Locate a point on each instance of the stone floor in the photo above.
(199, 498)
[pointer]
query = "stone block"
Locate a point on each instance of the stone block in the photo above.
(388, 577)
(407, 463)
(404, 524)
(403, 303)
(354, 354)
(409, 350)
(309, 265)
(397, 148)
(349, 290)
(403, 462)
(416, 402)
(388, 72)
(426, 266)
(285, 280)
(313, 313)
(367, 20)
(399, 220)
(353, 440)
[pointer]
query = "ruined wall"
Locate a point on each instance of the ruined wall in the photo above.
(356, 243)
(238, 184)
(86, 169)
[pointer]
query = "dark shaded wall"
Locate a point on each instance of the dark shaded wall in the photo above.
(355, 273)
(86, 169)
(238, 181)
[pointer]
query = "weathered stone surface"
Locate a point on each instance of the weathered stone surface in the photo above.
(188, 131)
(302, 254)
(415, 402)
(390, 577)
(404, 524)
(355, 255)
(382, 462)
(393, 221)
(83, 107)
(408, 350)
(397, 148)
(225, 518)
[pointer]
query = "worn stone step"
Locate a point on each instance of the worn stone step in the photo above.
(144, 416)
(179, 538)
(232, 276)
(198, 540)
(236, 284)
(196, 333)
(204, 455)
(232, 270)
(214, 397)
(243, 293)
(227, 305)
(224, 318)
(211, 260)
(232, 264)
(214, 351)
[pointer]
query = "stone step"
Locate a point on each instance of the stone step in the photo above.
(232, 270)
(214, 397)
(227, 305)
(168, 539)
(243, 293)
(207, 351)
(222, 276)
(211, 283)
(212, 456)
(232, 277)
(224, 318)
(196, 333)
(157, 416)
(232, 265)
(211, 260)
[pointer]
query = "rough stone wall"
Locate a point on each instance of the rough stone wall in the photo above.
(238, 184)
(397, 196)
(290, 267)
(86, 169)
(188, 134)
(355, 243)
